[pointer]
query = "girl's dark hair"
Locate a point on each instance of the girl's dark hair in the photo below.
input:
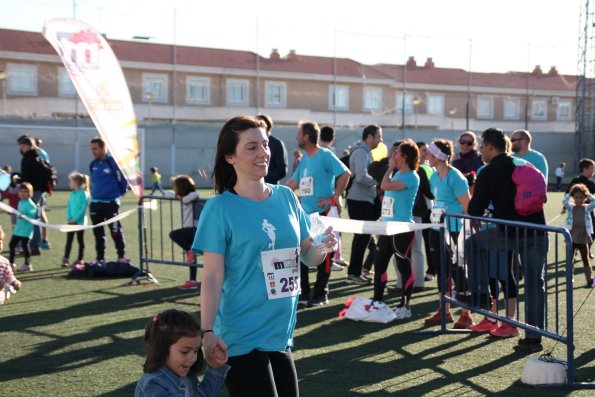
(411, 152)
(579, 188)
(445, 147)
(224, 176)
(163, 331)
(184, 185)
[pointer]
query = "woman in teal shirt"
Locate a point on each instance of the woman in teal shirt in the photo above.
(253, 236)
(400, 190)
(451, 192)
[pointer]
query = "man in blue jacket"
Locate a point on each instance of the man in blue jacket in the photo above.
(107, 185)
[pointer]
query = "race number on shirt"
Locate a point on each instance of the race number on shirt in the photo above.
(281, 272)
(387, 206)
(306, 186)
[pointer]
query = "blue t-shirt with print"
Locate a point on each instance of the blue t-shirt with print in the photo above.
(446, 192)
(240, 229)
(403, 199)
(323, 167)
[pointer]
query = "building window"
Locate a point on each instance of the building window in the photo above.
(198, 90)
(372, 99)
(338, 97)
(22, 79)
(238, 92)
(511, 108)
(65, 87)
(564, 111)
(539, 109)
(154, 87)
(408, 103)
(485, 107)
(275, 94)
(436, 104)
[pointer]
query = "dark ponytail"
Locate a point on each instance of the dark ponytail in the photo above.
(224, 176)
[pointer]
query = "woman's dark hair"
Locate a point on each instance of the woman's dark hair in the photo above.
(183, 185)
(163, 331)
(224, 176)
(268, 121)
(411, 153)
(445, 147)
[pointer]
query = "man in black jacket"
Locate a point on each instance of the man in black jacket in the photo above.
(495, 185)
(278, 164)
(30, 172)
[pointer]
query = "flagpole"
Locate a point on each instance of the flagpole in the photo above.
(173, 127)
(77, 138)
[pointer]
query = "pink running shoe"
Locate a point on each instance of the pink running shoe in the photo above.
(505, 331)
(190, 257)
(189, 285)
(484, 325)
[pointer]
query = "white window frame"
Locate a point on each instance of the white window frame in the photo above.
(15, 75)
(431, 104)
(559, 115)
(148, 79)
(516, 103)
(535, 104)
(245, 85)
(205, 82)
(489, 101)
(65, 86)
(372, 99)
(332, 103)
(408, 102)
(270, 85)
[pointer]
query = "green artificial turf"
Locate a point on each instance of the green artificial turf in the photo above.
(70, 337)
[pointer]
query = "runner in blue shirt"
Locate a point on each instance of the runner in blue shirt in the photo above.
(400, 191)
(451, 193)
(252, 236)
(321, 179)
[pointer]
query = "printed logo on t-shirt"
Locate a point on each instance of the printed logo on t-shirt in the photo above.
(269, 229)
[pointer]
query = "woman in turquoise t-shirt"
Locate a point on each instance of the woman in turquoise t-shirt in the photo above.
(451, 192)
(400, 190)
(253, 236)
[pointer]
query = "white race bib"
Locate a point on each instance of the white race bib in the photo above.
(436, 215)
(281, 272)
(387, 206)
(306, 186)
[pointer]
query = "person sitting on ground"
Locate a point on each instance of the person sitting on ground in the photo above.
(173, 342)
(578, 222)
(7, 278)
(185, 190)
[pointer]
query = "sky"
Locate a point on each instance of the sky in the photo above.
(481, 35)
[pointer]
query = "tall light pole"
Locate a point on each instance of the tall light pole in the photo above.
(3, 78)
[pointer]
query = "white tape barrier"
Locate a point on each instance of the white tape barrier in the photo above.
(69, 228)
(373, 227)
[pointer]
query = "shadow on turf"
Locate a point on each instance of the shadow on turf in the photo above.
(61, 353)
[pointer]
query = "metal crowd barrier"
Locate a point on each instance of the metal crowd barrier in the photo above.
(157, 217)
(484, 249)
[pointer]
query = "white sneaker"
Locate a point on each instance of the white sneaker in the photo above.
(26, 268)
(403, 312)
(336, 267)
(13, 266)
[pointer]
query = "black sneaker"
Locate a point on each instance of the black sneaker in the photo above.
(530, 344)
(319, 301)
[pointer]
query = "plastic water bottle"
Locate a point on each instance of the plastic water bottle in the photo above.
(317, 231)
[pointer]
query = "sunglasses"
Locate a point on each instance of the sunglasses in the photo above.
(468, 143)
(516, 139)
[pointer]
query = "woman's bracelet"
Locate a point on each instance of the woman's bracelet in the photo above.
(206, 331)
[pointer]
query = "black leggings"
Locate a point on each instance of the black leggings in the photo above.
(80, 237)
(14, 241)
(184, 237)
(398, 245)
(262, 374)
(509, 286)
(435, 257)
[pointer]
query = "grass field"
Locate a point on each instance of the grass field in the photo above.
(65, 337)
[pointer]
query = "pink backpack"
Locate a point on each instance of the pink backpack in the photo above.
(531, 188)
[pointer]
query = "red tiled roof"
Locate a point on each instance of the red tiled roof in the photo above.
(34, 42)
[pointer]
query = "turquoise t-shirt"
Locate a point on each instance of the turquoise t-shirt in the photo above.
(446, 192)
(316, 177)
(403, 200)
(234, 227)
(537, 159)
(23, 228)
(76, 210)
